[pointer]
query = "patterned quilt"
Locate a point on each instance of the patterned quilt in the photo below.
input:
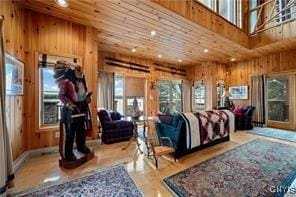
(206, 126)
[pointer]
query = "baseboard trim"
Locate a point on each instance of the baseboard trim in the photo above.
(44, 151)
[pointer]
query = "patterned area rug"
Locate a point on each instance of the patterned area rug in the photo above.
(252, 169)
(114, 181)
(275, 133)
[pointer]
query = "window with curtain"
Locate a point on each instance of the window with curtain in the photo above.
(169, 96)
(199, 95)
(134, 93)
(127, 90)
(49, 91)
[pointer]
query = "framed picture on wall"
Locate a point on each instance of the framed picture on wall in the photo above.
(238, 92)
(14, 70)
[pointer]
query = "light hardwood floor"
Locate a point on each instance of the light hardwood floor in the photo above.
(44, 169)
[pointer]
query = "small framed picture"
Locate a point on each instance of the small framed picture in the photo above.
(14, 70)
(238, 92)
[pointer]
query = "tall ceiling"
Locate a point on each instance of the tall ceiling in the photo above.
(124, 25)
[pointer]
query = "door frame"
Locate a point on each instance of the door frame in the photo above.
(290, 125)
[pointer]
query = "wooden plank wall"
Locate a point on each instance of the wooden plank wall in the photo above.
(14, 39)
(26, 33)
(210, 73)
(50, 35)
(152, 77)
(203, 16)
(240, 73)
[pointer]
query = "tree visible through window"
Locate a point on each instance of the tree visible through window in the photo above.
(170, 96)
(278, 99)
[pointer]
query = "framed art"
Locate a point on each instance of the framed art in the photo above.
(14, 72)
(238, 92)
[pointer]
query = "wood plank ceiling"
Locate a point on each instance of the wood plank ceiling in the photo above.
(124, 25)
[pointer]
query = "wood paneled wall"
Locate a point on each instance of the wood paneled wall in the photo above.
(240, 73)
(210, 73)
(26, 34)
(50, 35)
(204, 17)
(152, 77)
(14, 38)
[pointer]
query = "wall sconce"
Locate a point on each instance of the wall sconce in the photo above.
(152, 85)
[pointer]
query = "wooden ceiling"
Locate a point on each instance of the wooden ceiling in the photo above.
(126, 24)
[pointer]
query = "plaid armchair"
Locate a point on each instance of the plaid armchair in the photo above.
(113, 128)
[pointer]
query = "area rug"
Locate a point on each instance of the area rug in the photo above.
(275, 133)
(252, 169)
(114, 181)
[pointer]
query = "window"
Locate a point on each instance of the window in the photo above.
(253, 15)
(119, 93)
(49, 97)
(199, 96)
(231, 10)
(210, 4)
(49, 91)
(220, 91)
(130, 104)
(286, 12)
(169, 96)
(127, 89)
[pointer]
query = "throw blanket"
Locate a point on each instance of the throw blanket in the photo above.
(206, 126)
(192, 130)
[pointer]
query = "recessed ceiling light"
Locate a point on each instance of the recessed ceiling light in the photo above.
(160, 56)
(153, 33)
(62, 3)
(232, 59)
(206, 50)
(180, 60)
(133, 50)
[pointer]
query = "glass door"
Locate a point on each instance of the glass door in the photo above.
(281, 101)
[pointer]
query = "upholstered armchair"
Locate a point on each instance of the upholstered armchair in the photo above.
(243, 117)
(113, 128)
(171, 126)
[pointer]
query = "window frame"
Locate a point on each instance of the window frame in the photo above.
(196, 83)
(39, 127)
(238, 20)
(124, 97)
(170, 94)
(220, 83)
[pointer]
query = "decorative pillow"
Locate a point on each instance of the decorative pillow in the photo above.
(166, 118)
(238, 110)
